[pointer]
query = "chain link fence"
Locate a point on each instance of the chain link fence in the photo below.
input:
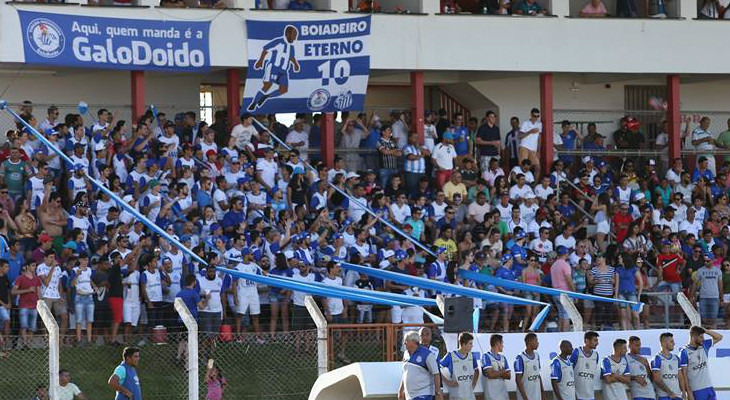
(23, 369)
(282, 365)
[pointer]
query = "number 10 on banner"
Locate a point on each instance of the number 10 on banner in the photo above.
(340, 72)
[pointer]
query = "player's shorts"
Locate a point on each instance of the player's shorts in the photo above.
(644, 398)
(423, 398)
(131, 312)
(248, 302)
(705, 394)
(669, 398)
(276, 75)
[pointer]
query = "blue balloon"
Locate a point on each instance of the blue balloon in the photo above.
(83, 107)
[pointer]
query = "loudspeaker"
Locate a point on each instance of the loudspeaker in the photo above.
(458, 313)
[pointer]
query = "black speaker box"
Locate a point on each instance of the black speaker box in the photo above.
(458, 314)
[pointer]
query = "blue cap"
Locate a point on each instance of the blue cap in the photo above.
(440, 250)
(245, 179)
(666, 242)
(296, 239)
(448, 136)
(387, 239)
(400, 255)
(521, 234)
(78, 167)
(245, 251)
(506, 257)
(214, 226)
(562, 250)
(336, 236)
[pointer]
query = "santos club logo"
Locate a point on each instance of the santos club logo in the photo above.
(45, 38)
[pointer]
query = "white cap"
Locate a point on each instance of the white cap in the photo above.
(128, 198)
(652, 162)
(388, 253)
(352, 175)
(530, 195)
(639, 196)
(587, 159)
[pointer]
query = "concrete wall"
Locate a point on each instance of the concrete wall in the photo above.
(456, 42)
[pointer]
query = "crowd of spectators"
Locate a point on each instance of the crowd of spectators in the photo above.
(237, 198)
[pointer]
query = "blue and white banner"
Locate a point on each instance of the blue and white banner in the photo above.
(114, 43)
(307, 66)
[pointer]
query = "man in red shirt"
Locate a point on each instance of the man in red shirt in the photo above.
(621, 221)
(669, 267)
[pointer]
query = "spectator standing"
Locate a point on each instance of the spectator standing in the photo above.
(529, 137)
(488, 141)
(707, 285)
(13, 174)
(703, 140)
(298, 139)
(511, 142)
(5, 299)
(443, 158)
(389, 153)
(27, 288)
(415, 162)
(603, 279)
(561, 278)
(626, 288)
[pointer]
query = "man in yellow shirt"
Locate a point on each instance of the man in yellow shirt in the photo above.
(454, 185)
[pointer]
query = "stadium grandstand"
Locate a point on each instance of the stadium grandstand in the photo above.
(247, 199)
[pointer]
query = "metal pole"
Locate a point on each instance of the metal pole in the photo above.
(667, 299)
(321, 322)
(54, 343)
(192, 326)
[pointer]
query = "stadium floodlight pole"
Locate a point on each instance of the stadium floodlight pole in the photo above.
(120, 202)
(54, 344)
(363, 207)
(192, 327)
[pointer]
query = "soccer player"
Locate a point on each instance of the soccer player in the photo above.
(421, 378)
(275, 59)
(640, 385)
(561, 373)
(463, 369)
(585, 366)
(615, 372)
(495, 369)
(694, 358)
(124, 380)
(527, 371)
(667, 371)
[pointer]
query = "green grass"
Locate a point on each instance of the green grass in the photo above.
(269, 371)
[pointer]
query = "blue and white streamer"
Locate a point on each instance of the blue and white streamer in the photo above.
(490, 280)
(121, 203)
